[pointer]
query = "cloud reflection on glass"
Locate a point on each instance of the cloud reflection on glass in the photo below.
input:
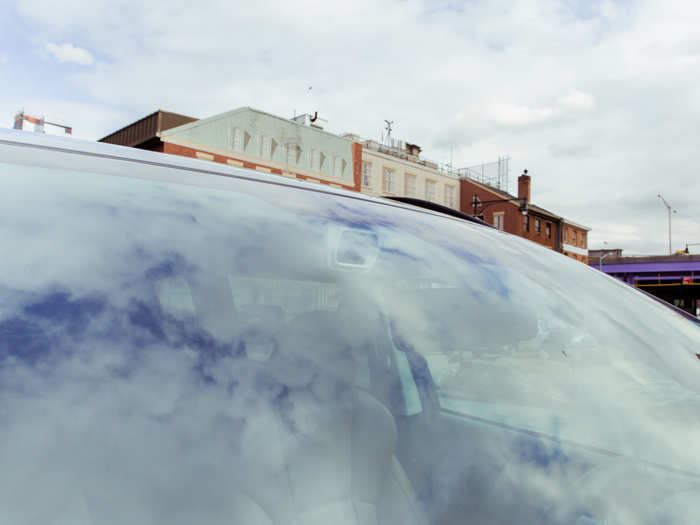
(178, 354)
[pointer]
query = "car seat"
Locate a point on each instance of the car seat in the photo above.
(335, 442)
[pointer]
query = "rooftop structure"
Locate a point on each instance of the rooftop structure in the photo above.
(254, 139)
(519, 216)
(396, 169)
(145, 132)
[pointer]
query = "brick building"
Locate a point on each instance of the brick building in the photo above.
(517, 215)
(298, 148)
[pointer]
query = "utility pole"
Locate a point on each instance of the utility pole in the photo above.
(669, 210)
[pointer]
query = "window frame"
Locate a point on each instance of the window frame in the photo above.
(414, 181)
(388, 179)
(366, 174)
(451, 201)
(431, 183)
(499, 217)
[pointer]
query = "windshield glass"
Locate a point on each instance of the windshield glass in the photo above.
(185, 348)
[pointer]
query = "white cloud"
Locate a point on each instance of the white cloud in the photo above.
(576, 101)
(70, 53)
(566, 105)
(598, 100)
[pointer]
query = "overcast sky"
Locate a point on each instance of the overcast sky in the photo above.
(599, 100)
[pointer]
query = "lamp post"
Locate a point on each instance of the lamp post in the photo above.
(476, 202)
(669, 209)
(602, 258)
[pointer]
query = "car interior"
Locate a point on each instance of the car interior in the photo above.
(336, 410)
(285, 389)
(361, 435)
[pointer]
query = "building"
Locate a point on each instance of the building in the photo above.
(398, 170)
(145, 133)
(574, 240)
(517, 215)
(673, 278)
(594, 256)
(249, 138)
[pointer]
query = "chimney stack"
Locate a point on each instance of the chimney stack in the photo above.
(524, 186)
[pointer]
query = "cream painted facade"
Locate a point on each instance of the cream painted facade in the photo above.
(387, 173)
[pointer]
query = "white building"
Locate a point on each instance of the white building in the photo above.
(398, 170)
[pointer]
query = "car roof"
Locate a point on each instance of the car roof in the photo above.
(63, 144)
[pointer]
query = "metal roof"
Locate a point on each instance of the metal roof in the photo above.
(146, 128)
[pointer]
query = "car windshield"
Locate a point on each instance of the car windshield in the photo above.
(180, 348)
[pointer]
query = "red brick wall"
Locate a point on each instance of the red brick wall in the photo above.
(568, 238)
(512, 218)
(357, 165)
(551, 241)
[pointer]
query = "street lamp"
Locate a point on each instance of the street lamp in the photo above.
(669, 209)
(601, 259)
(476, 202)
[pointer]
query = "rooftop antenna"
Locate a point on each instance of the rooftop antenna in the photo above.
(388, 131)
(308, 93)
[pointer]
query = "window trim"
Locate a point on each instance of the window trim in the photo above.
(414, 179)
(453, 192)
(366, 174)
(502, 219)
(388, 176)
(433, 184)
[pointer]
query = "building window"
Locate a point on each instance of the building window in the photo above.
(548, 230)
(526, 223)
(388, 180)
(537, 227)
(564, 233)
(583, 240)
(498, 220)
(410, 185)
(293, 153)
(574, 237)
(237, 140)
(268, 145)
(449, 196)
(265, 147)
(317, 159)
(430, 190)
(338, 166)
(367, 174)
